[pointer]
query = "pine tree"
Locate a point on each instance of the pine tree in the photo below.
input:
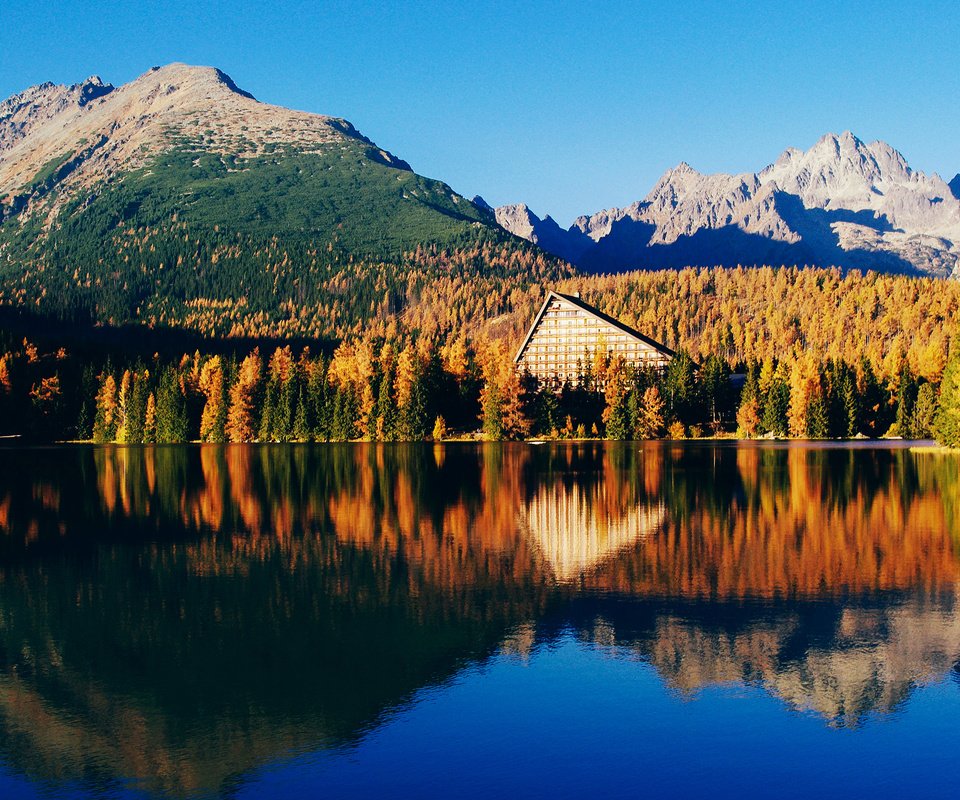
(776, 408)
(301, 424)
(385, 415)
(344, 416)
(491, 404)
(172, 422)
(680, 390)
(817, 418)
(135, 417)
(266, 428)
(946, 426)
(906, 401)
(617, 418)
(852, 408)
(924, 411)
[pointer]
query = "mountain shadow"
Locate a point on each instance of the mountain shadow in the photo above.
(728, 246)
(815, 227)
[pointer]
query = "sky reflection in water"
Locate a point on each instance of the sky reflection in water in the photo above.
(553, 621)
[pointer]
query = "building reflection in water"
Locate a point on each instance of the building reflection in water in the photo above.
(181, 615)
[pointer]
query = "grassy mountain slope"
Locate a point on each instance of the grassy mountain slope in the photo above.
(221, 214)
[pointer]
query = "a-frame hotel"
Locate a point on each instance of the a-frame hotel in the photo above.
(567, 333)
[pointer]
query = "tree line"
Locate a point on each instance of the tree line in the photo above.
(414, 388)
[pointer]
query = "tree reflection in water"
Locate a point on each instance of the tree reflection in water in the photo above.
(181, 615)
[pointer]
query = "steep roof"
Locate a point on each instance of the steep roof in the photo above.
(594, 312)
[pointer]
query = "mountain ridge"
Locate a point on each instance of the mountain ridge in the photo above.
(840, 203)
(180, 199)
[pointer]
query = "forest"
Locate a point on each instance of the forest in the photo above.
(407, 386)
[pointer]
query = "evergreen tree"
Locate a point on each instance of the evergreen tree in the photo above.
(344, 416)
(852, 406)
(491, 404)
(776, 408)
(680, 390)
(172, 423)
(618, 420)
(924, 411)
(715, 389)
(818, 418)
(135, 418)
(906, 401)
(946, 426)
(386, 427)
(301, 424)
(652, 420)
(270, 397)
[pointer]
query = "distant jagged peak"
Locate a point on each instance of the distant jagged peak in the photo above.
(479, 202)
(838, 166)
(21, 113)
(683, 184)
(519, 220)
(955, 186)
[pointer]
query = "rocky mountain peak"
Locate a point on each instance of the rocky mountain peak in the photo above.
(94, 131)
(188, 78)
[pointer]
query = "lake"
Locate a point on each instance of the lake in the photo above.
(667, 619)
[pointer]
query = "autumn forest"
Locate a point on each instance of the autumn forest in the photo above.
(814, 354)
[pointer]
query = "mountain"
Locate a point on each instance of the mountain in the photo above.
(179, 196)
(546, 233)
(842, 203)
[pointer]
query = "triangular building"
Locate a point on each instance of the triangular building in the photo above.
(566, 335)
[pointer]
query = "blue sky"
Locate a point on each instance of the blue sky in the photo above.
(568, 107)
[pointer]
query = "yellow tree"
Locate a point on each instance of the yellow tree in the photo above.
(6, 383)
(651, 422)
(213, 417)
(150, 420)
(123, 406)
(240, 424)
(105, 422)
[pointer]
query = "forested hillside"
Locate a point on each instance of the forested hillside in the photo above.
(180, 201)
(823, 356)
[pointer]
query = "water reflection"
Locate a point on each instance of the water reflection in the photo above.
(181, 615)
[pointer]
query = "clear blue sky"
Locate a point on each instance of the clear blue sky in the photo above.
(570, 107)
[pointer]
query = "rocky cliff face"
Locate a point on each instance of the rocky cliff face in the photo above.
(842, 202)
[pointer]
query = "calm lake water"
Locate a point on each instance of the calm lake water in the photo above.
(664, 619)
